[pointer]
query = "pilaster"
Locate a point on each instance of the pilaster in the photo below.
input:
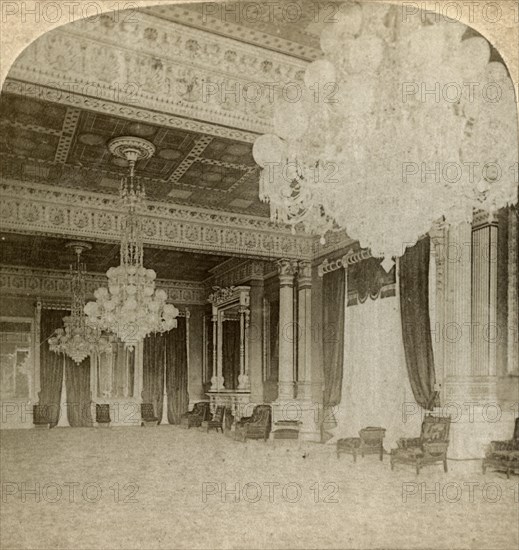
(287, 269)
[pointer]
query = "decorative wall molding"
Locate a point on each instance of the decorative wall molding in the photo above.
(386, 291)
(70, 98)
(350, 258)
(236, 271)
(161, 65)
(483, 218)
(459, 391)
(55, 285)
(45, 210)
(233, 23)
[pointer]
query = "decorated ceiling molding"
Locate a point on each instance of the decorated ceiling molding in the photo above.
(56, 284)
(151, 63)
(43, 210)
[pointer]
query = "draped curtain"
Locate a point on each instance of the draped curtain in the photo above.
(176, 371)
(416, 324)
(153, 371)
(77, 379)
(51, 364)
(231, 354)
(333, 335)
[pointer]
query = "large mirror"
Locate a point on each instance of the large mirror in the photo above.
(230, 354)
(231, 347)
(116, 373)
(16, 365)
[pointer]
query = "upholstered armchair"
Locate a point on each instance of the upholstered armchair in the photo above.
(430, 448)
(228, 419)
(216, 423)
(504, 455)
(256, 426)
(103, 414)
(40, 416)
(148, 416)
(200, 413)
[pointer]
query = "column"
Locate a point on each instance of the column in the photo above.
(243, 378)
(484, 297)
(35, 352)
(470, 339)
(94, 362)
(164, 416)
(287, 270)
(513, 294)
(309, 430)
(455, 333)
(256, 342)
(304, 325)
(63, 413)
(138, 381)
(217, 378)
(458, 294)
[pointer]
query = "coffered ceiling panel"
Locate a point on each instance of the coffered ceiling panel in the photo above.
(64, 146)
(52, 253)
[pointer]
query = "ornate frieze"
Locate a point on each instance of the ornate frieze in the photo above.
(161, 65)
(238, 294)
(236, 271)
(39, 209)
(55, 284)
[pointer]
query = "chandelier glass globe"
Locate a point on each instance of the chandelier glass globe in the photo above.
(79, 341)
(130, 306)
(77, 338)
(401, 125)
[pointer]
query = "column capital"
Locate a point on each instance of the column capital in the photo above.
(286, 269)
(482, 218)
(304, 274)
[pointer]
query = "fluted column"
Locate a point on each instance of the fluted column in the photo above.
(458, 292)
(164, 416)
(36, 382)
(484, 296)
(256, 339)
(304, 325)
(217, 381)
(513, 294)
(94, 362)
(287, 270)
(243, 378)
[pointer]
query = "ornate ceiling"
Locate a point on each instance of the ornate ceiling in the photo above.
(147, 73)
(290, 27)
(52, 253)
(64, 146)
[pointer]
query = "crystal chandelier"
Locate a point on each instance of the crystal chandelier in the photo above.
(402, 124)
(131, 307)
(77, 339)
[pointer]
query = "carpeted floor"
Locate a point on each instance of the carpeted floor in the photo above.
(165, 487)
